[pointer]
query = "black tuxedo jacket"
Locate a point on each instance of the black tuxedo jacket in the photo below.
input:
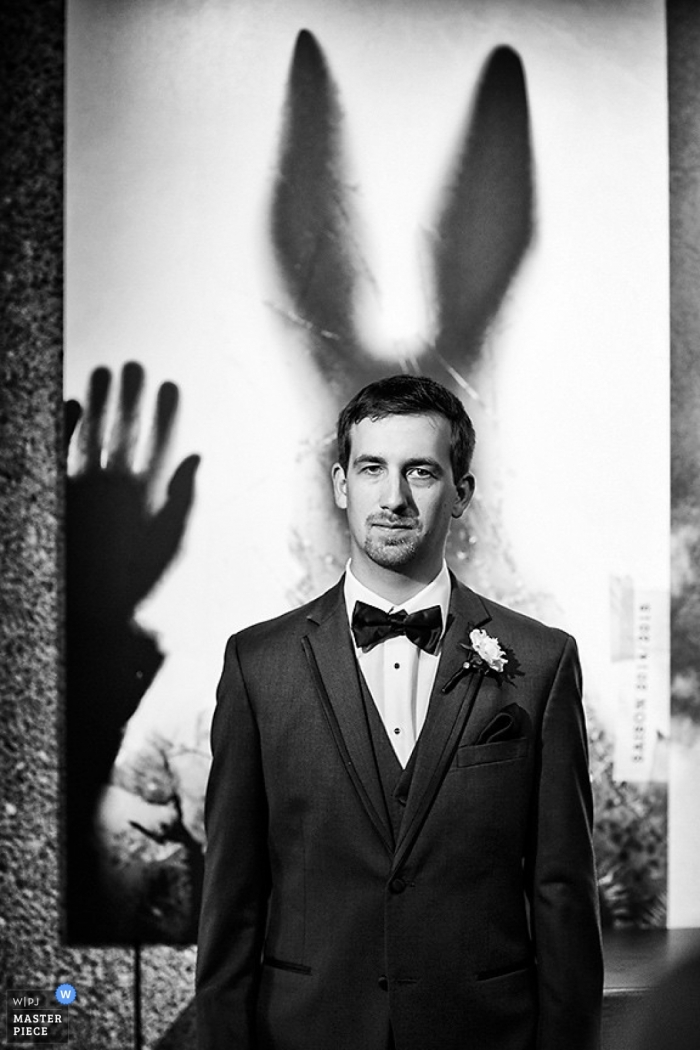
(476, 928)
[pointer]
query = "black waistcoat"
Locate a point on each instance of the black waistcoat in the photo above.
(395, 781)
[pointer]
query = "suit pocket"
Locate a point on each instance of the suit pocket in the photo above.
(282, 964)
(505, 971)
(510, 723)
(498, 751)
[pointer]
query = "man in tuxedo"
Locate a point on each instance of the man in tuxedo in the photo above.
(399, 807)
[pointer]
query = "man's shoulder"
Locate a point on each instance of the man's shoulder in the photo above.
(290, 625)
(513, 623)
(524, 621)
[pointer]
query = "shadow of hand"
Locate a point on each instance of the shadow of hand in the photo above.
(118, 543)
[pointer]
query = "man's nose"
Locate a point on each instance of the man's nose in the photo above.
(396, 493)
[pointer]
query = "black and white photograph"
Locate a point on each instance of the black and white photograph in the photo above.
(307, 251)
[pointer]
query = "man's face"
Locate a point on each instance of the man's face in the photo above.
(400, 495)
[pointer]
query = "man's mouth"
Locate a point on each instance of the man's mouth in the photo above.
(402, 525)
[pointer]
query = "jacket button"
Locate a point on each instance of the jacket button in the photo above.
(397, 885)
(383, 983)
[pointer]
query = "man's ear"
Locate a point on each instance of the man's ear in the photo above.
(340, 485)
(465, 490)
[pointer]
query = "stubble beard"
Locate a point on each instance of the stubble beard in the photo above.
(392, 551)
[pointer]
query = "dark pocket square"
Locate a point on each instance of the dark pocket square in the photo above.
(506, 725)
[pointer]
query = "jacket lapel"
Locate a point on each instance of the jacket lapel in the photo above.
(329, 650)
(447, 715)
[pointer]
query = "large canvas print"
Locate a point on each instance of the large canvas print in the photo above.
(269, 205)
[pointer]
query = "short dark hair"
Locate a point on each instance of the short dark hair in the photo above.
(408, 395)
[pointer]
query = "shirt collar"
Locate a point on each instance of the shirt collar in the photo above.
(437, 592)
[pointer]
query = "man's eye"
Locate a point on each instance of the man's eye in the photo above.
(371, 468)
(420, 473)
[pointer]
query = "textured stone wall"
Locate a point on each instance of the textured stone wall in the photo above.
(684, 141)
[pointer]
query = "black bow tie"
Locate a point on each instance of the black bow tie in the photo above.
(371, 626)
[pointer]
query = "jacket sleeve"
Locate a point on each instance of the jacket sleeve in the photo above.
(561, 869)
(236, 876)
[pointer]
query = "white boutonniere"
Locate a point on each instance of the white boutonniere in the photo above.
(484, 654)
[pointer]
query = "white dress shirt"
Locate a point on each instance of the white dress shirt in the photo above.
(398, 674)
